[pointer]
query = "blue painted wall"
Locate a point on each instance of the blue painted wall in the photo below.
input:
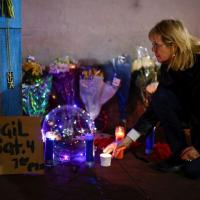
(10, 99)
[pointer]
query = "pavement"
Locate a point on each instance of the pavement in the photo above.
(129, 178)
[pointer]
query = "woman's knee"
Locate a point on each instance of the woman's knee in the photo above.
(192, 169)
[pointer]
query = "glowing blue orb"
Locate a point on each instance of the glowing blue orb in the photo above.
(67, 125)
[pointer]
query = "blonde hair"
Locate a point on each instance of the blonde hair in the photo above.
(174, 33)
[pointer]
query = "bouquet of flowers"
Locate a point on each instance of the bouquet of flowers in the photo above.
(94, 91)
(143, 59)
(62, 65)
(64, 87)
(36, 88)
(146, 68)
(32, 71)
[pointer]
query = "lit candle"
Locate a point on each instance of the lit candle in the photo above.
(49, 146)
(72, 66)
(119, 133)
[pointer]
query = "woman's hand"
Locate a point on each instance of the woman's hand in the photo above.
(110, 148)
(152, 87)
(189, 154)
(117, 149)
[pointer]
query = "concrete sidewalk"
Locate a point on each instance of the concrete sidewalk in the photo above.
(129, 178)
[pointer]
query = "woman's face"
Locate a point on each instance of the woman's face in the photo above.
(162, 52)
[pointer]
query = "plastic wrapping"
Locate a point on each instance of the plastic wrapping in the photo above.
(119, 68)
(147, 69)
(94, 92)
(36, 88)
(35, 97)
(64, 87)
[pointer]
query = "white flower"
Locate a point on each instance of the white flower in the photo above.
(136, 65)
(147, 62)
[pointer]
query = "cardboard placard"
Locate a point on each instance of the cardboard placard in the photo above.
(21, 146)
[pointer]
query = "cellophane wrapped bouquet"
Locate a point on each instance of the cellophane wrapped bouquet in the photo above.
(118, 69)
(64, 72)
(94, 92)
(36, 88)
(147, 68)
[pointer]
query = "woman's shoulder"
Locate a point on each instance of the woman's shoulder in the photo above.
(196, 66)
(197, 58)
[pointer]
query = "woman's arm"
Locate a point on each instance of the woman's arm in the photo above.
(146, 122)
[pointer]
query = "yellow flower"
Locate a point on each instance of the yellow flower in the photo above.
(27, 66)
(36, 72)
(35, 68)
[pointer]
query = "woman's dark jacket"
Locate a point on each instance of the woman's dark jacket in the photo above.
(186, 87)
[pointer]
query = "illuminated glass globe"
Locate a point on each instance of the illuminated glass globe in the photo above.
(66, 126)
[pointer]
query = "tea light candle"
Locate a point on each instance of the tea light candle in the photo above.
(119, 133)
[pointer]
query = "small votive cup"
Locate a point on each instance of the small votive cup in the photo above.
(105, 159)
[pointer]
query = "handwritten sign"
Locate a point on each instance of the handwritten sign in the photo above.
(21, 146)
